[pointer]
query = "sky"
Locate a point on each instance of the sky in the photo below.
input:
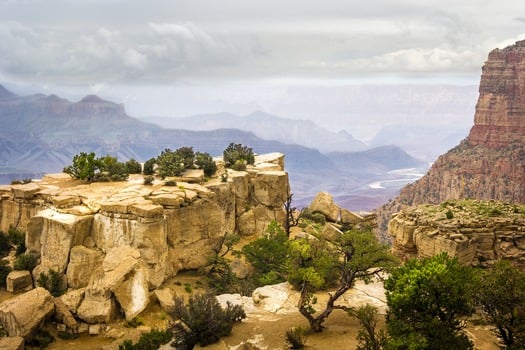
(183, 57)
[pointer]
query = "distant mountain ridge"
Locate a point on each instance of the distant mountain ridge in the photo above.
(42, 134)
(269, 127)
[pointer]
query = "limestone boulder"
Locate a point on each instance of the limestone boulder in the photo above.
(19, 281)
(324, 203)
(271, 188)
(122, 276)
(165, 296)
(133, 294)
(51, 235)
(63, 315)
(24, 314)
(97, 308)
(12, 343)
(83, 262)
(73, 298)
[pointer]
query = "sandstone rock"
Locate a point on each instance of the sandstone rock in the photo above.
(82, 263)
(25, 313)
(19, 281)
(165, 297)
(270, 188)
(96, 308)
(489, 163)
(73, 298)
(324, 203)
(422, 231)
(331, 233)
(12, 343)
(95, 329)
(52, 235)
(26, 191)
(133, 294)
(240, 268)
(62, 314)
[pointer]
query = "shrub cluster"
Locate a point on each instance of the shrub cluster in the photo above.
(202, 321)
(237, 156)
(86, 166)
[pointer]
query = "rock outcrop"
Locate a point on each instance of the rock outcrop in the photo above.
(23, 315)
(117, 241)
(490, 162)
(477, 232)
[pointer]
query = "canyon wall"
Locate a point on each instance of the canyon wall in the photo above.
(490, 162)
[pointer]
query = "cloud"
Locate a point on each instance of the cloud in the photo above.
(233, 40)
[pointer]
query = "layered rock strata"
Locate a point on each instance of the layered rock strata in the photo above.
(490, 162)
(116, 241)
(477, 232)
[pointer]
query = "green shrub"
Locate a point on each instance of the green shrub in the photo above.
(5, 245)
(148, 341)
(83, 166)
(134, 323)
(237, 153)
(187, 155)
(133, 167)
(51, 281)
(170, 163)
(67, 335)
(296, 337)
(4, 271)
(170, 183)
(25, 262)
(449, 215)
(149, 167)
(21, 182)
(18, 239)
(239, 165)
(148, 180)
(206, 163)
(41, 339)
(188, 288)
(202, 321)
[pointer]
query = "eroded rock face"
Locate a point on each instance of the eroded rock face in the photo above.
(478, 233)
(490, 162)
(115, 242)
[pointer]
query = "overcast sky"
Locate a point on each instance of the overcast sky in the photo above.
(180, 57)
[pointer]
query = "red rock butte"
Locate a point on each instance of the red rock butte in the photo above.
(500, 111)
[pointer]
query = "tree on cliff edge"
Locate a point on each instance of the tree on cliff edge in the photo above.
(318, 264)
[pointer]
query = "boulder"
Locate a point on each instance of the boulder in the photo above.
(165, 297)
(82, 263)
(19, 281)
(24, 314)
(96, 308)
(133, 294)
(324, 203)
(72, 299)
(12, 343)
(51, 235)
(63, 315)
(271, 188)
(121, 275)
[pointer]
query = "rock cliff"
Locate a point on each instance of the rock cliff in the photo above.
(476, 232)
(114, 242)
(490, 162)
